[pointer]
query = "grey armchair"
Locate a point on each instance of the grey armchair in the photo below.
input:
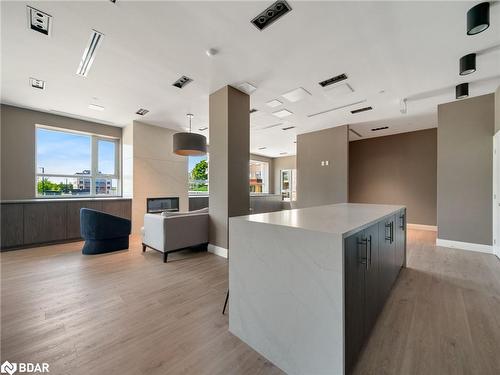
(172, 232)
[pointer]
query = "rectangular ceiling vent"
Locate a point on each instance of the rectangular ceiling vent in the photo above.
(253, 110)
(89, 54)
(336, 108)
(283, 153)
(202, 129)
(364, 109)
(181, 82)
(331, 81)
(37, 83)
(39, 21)
(262, 148)
(142, 112)
(288, 128)
(381, 128)
(271, 14)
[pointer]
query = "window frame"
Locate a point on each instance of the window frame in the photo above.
(94, 163)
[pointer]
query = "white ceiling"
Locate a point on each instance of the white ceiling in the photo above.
(402, 49)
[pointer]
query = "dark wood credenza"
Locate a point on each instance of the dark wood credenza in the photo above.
(38, 222)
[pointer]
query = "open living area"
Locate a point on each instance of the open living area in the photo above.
(250, 187)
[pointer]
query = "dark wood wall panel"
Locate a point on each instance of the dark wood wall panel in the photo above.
(118, 208)
(73, 216)
(12, 225)
(44, 222)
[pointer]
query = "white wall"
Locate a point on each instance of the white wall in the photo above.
(157, 171)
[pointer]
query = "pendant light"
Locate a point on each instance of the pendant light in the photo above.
(189, 144)
(462, 91)
(478, 18)
(468, 64)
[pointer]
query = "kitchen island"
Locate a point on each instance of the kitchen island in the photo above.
(307, 285)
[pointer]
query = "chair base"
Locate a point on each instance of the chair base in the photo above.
(93, 247)
(202, 247)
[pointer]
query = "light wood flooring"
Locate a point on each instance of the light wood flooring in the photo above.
(129, 313)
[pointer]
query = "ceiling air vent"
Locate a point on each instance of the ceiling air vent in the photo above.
(271, 14)
(202, 129)
(381, 128)
(89, 54)
(142, 112)
(262, 148)
(181, 82)
(253, 110)
(364, 109)
(37, 83)
(39, 21)
(331, 81)
(336, 108)
(288, 128)
(283, 153)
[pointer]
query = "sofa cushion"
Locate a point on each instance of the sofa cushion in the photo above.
(196, 212)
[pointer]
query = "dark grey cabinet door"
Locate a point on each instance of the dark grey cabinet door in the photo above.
(12, 225)
(400, 240)
(122, 208)
(386, 257)
(44, 222)
(73, 216)
(373, 300)
(354, 275)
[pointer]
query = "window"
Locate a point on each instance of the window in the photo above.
(259, 176)
(72, 164)
(198, 175)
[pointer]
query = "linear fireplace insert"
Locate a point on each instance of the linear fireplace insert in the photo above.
(156, 205)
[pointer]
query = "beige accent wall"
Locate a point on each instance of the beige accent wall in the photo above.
(320, 185)
(397, 169)
(284, 162)
(17, 127)
(465, 170)
(229, 160)
(270, 162)
(157, 171)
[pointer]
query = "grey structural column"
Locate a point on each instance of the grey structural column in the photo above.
(229, 138)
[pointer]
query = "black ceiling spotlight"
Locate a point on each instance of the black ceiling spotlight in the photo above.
(462, 91)
(478, 18)
(468, 64)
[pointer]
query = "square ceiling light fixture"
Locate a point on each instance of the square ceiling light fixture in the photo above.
(37, 83)
(246, 87)
(282, 113)
(296, 94)
(274, 103)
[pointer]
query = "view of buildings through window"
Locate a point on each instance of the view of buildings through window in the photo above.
(64, 164)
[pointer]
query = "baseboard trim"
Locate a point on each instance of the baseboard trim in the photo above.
(432, 228)
(465, 246)
(217, 250)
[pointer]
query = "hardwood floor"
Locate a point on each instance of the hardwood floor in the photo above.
(129, 313)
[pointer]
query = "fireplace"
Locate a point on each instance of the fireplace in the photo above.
(157, 205)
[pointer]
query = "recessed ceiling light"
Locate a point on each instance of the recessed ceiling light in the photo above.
(246, 87)
(296, 94)
(271, 14)
(96, 107)
(39, 21)
(331, 81)
(89, 54)
(142, 111)
(282, 113)
(37, 83)
(253, 110)
(181, 82)
(274, 103)
(203, 128)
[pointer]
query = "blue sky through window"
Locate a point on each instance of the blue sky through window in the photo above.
(193, 160)
(106, 157)
(62, 153)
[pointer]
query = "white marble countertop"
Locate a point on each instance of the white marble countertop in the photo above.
(342, 219)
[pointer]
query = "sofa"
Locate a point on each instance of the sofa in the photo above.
(169, 232)
(103, 232)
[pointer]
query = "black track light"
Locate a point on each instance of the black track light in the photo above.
(478, 18)
(468, 64)
(462, 91)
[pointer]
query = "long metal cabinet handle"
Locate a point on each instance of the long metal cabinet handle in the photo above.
(365, 259)
(370, 242)
(388, 238)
